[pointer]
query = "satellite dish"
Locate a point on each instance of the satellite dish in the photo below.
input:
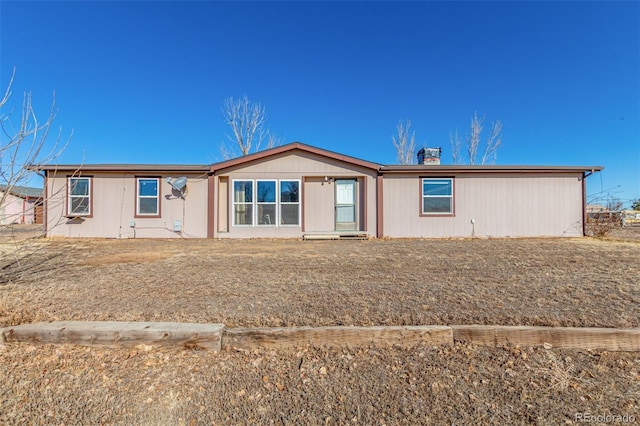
(178, 184)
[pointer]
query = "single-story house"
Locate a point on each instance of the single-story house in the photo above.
(297, 190)
(20, 205)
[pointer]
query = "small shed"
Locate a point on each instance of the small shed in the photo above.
(20, 205)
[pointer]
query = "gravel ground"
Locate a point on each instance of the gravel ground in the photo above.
(569, 282)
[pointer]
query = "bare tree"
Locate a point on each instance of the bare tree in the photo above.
(247, 121)
(24, 146)
(405, 143)
(474, 143)
(614, 204)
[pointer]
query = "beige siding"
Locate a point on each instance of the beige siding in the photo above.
(317, 195)
(501, 205)
(494, 203)
(16, 210)
(114, 207)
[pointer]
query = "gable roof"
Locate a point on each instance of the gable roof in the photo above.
(289, 148)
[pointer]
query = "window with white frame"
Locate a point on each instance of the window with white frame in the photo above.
(79, 199)
(148, 197)
(265, 202)
(289, 202)
(243, 202)
(437, 196)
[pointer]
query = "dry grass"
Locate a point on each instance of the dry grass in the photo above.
(124, 258)
(547, 282)
(570, 282)
(458, 384)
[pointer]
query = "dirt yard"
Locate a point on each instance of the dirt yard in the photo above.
(556, 282)
(571, 282)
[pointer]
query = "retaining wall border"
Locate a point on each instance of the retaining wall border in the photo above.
(216, 337)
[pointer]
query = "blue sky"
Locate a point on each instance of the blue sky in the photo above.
(144, 82)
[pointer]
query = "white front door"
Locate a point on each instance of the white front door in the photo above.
(346, 206)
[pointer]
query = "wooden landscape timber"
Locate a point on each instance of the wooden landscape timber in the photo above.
(215, 337)
(610, 339)
(108, 333)
(251, 338)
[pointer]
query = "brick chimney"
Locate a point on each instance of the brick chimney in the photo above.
(429, 156)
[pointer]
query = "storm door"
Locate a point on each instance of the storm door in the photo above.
(346, 207)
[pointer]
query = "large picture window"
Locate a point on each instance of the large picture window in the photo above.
(79, 200)
(289, 202)
(148, 197)
(266, 202)
(437, 196)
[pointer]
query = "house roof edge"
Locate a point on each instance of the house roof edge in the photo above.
(486, 169)
(121, 167)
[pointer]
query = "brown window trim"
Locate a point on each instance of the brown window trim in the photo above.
(67, 198)
(135, 200)
(453, 197)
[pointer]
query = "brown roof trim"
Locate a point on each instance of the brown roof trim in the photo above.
(123, 168)
(290, 147)
(448, 169)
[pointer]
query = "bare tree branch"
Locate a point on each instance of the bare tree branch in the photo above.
(473, 140)
(225, 152)
(456, 145)
(493, 143)
(25, 147)
(273, 140)
(7, 93)
(474, 143)
(405, 143)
